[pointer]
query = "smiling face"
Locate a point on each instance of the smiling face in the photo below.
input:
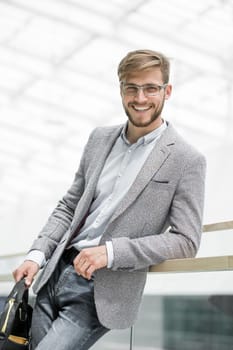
(144, 112)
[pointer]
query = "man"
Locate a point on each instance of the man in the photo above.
(136, 200)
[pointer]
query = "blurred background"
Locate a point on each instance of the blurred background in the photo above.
(58, 63)
(58, 80)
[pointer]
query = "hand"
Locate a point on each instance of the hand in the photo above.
(28, 269)
(90, 260)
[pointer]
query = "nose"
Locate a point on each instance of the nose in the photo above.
(140, 97)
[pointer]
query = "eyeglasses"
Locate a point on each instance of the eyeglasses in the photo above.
(148, 89)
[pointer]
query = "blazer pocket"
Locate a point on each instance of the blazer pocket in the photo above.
(160, 181)
(161, 185)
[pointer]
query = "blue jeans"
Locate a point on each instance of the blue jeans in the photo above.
(64, 316)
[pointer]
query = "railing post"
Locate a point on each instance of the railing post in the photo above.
(131, 338)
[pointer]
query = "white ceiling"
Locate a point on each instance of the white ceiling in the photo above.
(58, 62)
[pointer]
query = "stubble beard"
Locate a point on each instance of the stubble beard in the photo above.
(154, 116)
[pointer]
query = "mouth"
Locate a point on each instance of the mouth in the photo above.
(141, 109)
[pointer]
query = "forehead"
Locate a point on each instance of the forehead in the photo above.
(147, 76)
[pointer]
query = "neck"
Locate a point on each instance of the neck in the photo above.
(133, 132)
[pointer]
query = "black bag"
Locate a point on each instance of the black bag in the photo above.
(15, 320)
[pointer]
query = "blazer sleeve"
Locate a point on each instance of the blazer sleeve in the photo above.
(182, 238)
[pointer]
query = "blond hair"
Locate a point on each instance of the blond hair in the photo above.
(140, 60)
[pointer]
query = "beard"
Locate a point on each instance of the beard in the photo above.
(153, 117)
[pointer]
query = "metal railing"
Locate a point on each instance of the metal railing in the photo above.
(203, 264)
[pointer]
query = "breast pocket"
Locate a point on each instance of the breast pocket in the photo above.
(161, 188)
(160, 181)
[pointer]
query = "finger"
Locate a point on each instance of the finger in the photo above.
(79, 259)
(18, 275)
(28, 280)
(79, 263)
(83, 268)
(90, 271)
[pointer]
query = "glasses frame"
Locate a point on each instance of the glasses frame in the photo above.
(142, 87)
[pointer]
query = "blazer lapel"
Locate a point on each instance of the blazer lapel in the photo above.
(104, 147)
(157, 157)
(105, 144)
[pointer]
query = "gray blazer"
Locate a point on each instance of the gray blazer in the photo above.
(160, 218)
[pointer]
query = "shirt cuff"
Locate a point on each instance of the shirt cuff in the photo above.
(109, 248)
(37, 256)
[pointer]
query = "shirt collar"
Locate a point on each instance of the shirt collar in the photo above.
(146, 138)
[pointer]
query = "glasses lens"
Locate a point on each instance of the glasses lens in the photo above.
(151, 90)
(130, 90)
(148, 90)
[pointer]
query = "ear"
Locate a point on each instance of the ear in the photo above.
(168, 91)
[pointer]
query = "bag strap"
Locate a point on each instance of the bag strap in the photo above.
(19, 292)
(18, 295)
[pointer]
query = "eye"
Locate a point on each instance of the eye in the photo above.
(152, 89)
(130, 90)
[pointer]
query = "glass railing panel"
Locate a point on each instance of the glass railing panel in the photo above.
(203, 322)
